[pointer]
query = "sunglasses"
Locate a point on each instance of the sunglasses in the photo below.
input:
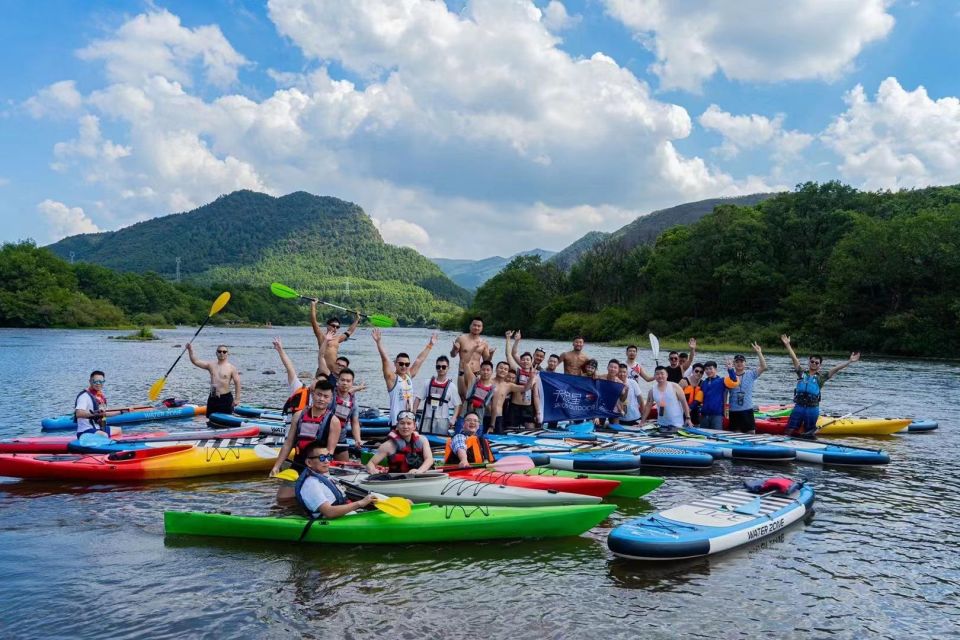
(674, 358)
(97, 381)
(334, 326)
(441, 367)
(698, 370)
(323, 457)
(222, 351)
(403, 364)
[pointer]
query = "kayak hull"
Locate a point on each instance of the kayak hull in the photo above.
(921, 425)
(628, 486)
(812, 451)
(709, 526)
(180, 461)
(67, 423)
(843, 427)
(586, 486)
(425, 523)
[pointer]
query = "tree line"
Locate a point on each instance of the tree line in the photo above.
(837, 268)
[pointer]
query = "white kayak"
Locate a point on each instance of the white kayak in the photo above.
(439, 488)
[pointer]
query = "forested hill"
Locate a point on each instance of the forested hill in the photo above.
(320, 244)
(836, 268)
(470, 274)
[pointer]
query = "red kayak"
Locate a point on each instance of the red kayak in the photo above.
(58, 444)
(584, 486)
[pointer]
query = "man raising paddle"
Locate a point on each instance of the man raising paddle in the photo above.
(222, 373)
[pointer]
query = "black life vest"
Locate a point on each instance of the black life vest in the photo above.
(98, 422)
(334, 489)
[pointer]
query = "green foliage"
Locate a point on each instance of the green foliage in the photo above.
(836, 268)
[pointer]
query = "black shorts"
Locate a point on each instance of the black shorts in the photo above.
(521, 414)
(743, 421)
(220, 404)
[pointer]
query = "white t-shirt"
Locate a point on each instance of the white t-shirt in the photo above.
(634, 393)
(85, 402)
(436, 409)
(401, 396)
(315, 494)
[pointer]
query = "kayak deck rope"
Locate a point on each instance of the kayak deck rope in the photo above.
(451, 509)
(670, 527)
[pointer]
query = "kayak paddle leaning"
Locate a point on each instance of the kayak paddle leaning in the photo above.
(218, 304)
(283, 291)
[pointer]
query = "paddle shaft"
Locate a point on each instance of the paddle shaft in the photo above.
(827, 424)
(202, 325)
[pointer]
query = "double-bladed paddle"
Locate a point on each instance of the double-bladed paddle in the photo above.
(283, 291)
(218, 304)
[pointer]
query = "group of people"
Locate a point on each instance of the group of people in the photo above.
(482, 398)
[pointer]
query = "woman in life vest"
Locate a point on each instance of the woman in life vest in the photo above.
(317, 493)
(806, 395)
(316, 422)
(404, 450)
(468, 447)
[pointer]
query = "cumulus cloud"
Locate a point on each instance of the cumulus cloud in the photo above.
(460, 124)
(898, 140)
(752, 131)
(65, 221)
(58, 99)
(556, 18)
(752, 40)
(155, 43)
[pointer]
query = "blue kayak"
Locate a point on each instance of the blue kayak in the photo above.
(709, 525)
(260, 413)
(921, 425)
(596, 462)
(752, 451)
(68, 423)
(815, 451)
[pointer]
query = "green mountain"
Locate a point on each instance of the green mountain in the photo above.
(320, 245)
(645, 229)
(470, 274)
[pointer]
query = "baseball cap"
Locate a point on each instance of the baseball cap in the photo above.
(740, 356)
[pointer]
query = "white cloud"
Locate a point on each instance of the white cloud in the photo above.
(752, 131)
(461, 125)
(752, 40)
(65, 221)
(58, 99)
(901, 139)
(155, 43)
(556, 18)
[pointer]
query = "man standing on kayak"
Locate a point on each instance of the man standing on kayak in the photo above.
(524, 407)
(672, 410)
(472, 350)
(574, 360)
(438, 395)
(806, 395)
(330, 351)
(741, 398)
(399, 375)
(222, 374)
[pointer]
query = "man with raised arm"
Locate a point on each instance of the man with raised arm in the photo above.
(524, 405)
(741, 398)
(574, 359)
(330, 350)
(399, 375)
(222, 375)
(472, 350)
(806, 395)
(438, 395)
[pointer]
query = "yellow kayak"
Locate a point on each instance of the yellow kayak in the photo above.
(854, 426)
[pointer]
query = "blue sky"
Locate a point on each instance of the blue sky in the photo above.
(469, 128)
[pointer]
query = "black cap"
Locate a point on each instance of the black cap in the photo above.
(740, 356)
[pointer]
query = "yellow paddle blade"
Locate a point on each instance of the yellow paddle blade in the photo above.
(220, 302)
(156, 388)
(395, 506)
(288, 474)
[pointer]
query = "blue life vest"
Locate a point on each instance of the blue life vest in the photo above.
(337, 494)
(807, 393)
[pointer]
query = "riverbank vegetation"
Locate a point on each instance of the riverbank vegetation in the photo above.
(837, 268)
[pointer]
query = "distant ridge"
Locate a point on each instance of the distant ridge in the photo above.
(470, 274)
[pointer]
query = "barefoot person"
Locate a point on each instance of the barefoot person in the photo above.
(399, 375)
(222, 374)
(330, 350)
(806, 395)
(472, 350)
(574, 360)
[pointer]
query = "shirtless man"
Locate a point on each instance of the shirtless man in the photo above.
(574, 360)
(472, 349)
(222, 373)
(329, 352)
(503, 392)
(524, 406)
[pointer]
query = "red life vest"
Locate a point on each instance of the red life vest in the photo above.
(343, 406)
(480, 395)
(408, 455)
(311, 428)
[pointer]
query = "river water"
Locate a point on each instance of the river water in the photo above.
(878, 559)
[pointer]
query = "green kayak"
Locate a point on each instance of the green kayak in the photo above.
(426, 523)
(630, 486)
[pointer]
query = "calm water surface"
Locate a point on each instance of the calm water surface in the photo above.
(879, 558)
